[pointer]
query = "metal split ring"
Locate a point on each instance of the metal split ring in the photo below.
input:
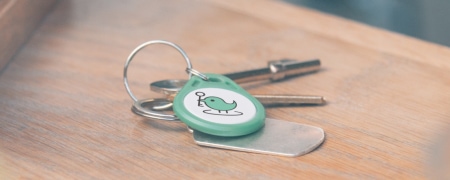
(145, 107)
(196, 73)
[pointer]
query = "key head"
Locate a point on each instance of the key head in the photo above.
(168, 87)
(218, 107)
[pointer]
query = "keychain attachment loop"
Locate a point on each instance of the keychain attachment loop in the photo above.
(196, 73)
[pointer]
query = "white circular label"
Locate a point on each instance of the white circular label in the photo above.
(219, 106)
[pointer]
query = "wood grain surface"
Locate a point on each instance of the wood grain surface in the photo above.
(65, 113)
(18, 19)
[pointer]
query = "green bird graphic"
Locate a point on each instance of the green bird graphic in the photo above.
(219, 104)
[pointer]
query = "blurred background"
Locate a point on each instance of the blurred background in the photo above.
(424, 19)
(428, 20)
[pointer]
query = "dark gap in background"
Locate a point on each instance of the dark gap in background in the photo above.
(424, 19)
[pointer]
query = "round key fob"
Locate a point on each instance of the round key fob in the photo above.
(218, 106)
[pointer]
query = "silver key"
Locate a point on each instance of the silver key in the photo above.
(272, 100)
(267, 100)
(276, 70)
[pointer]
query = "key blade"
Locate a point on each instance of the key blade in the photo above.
(290, 99)
(277, 137)
(250, 75)
(276, 70)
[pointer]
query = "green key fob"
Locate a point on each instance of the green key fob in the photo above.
(218, 106)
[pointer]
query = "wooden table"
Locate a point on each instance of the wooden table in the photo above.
(65, 113)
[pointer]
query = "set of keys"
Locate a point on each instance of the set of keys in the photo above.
(221, 114)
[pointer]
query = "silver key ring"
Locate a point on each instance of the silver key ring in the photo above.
(140, 47)
(138, 105)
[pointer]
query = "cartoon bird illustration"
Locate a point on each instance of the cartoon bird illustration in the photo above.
(219, 104)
